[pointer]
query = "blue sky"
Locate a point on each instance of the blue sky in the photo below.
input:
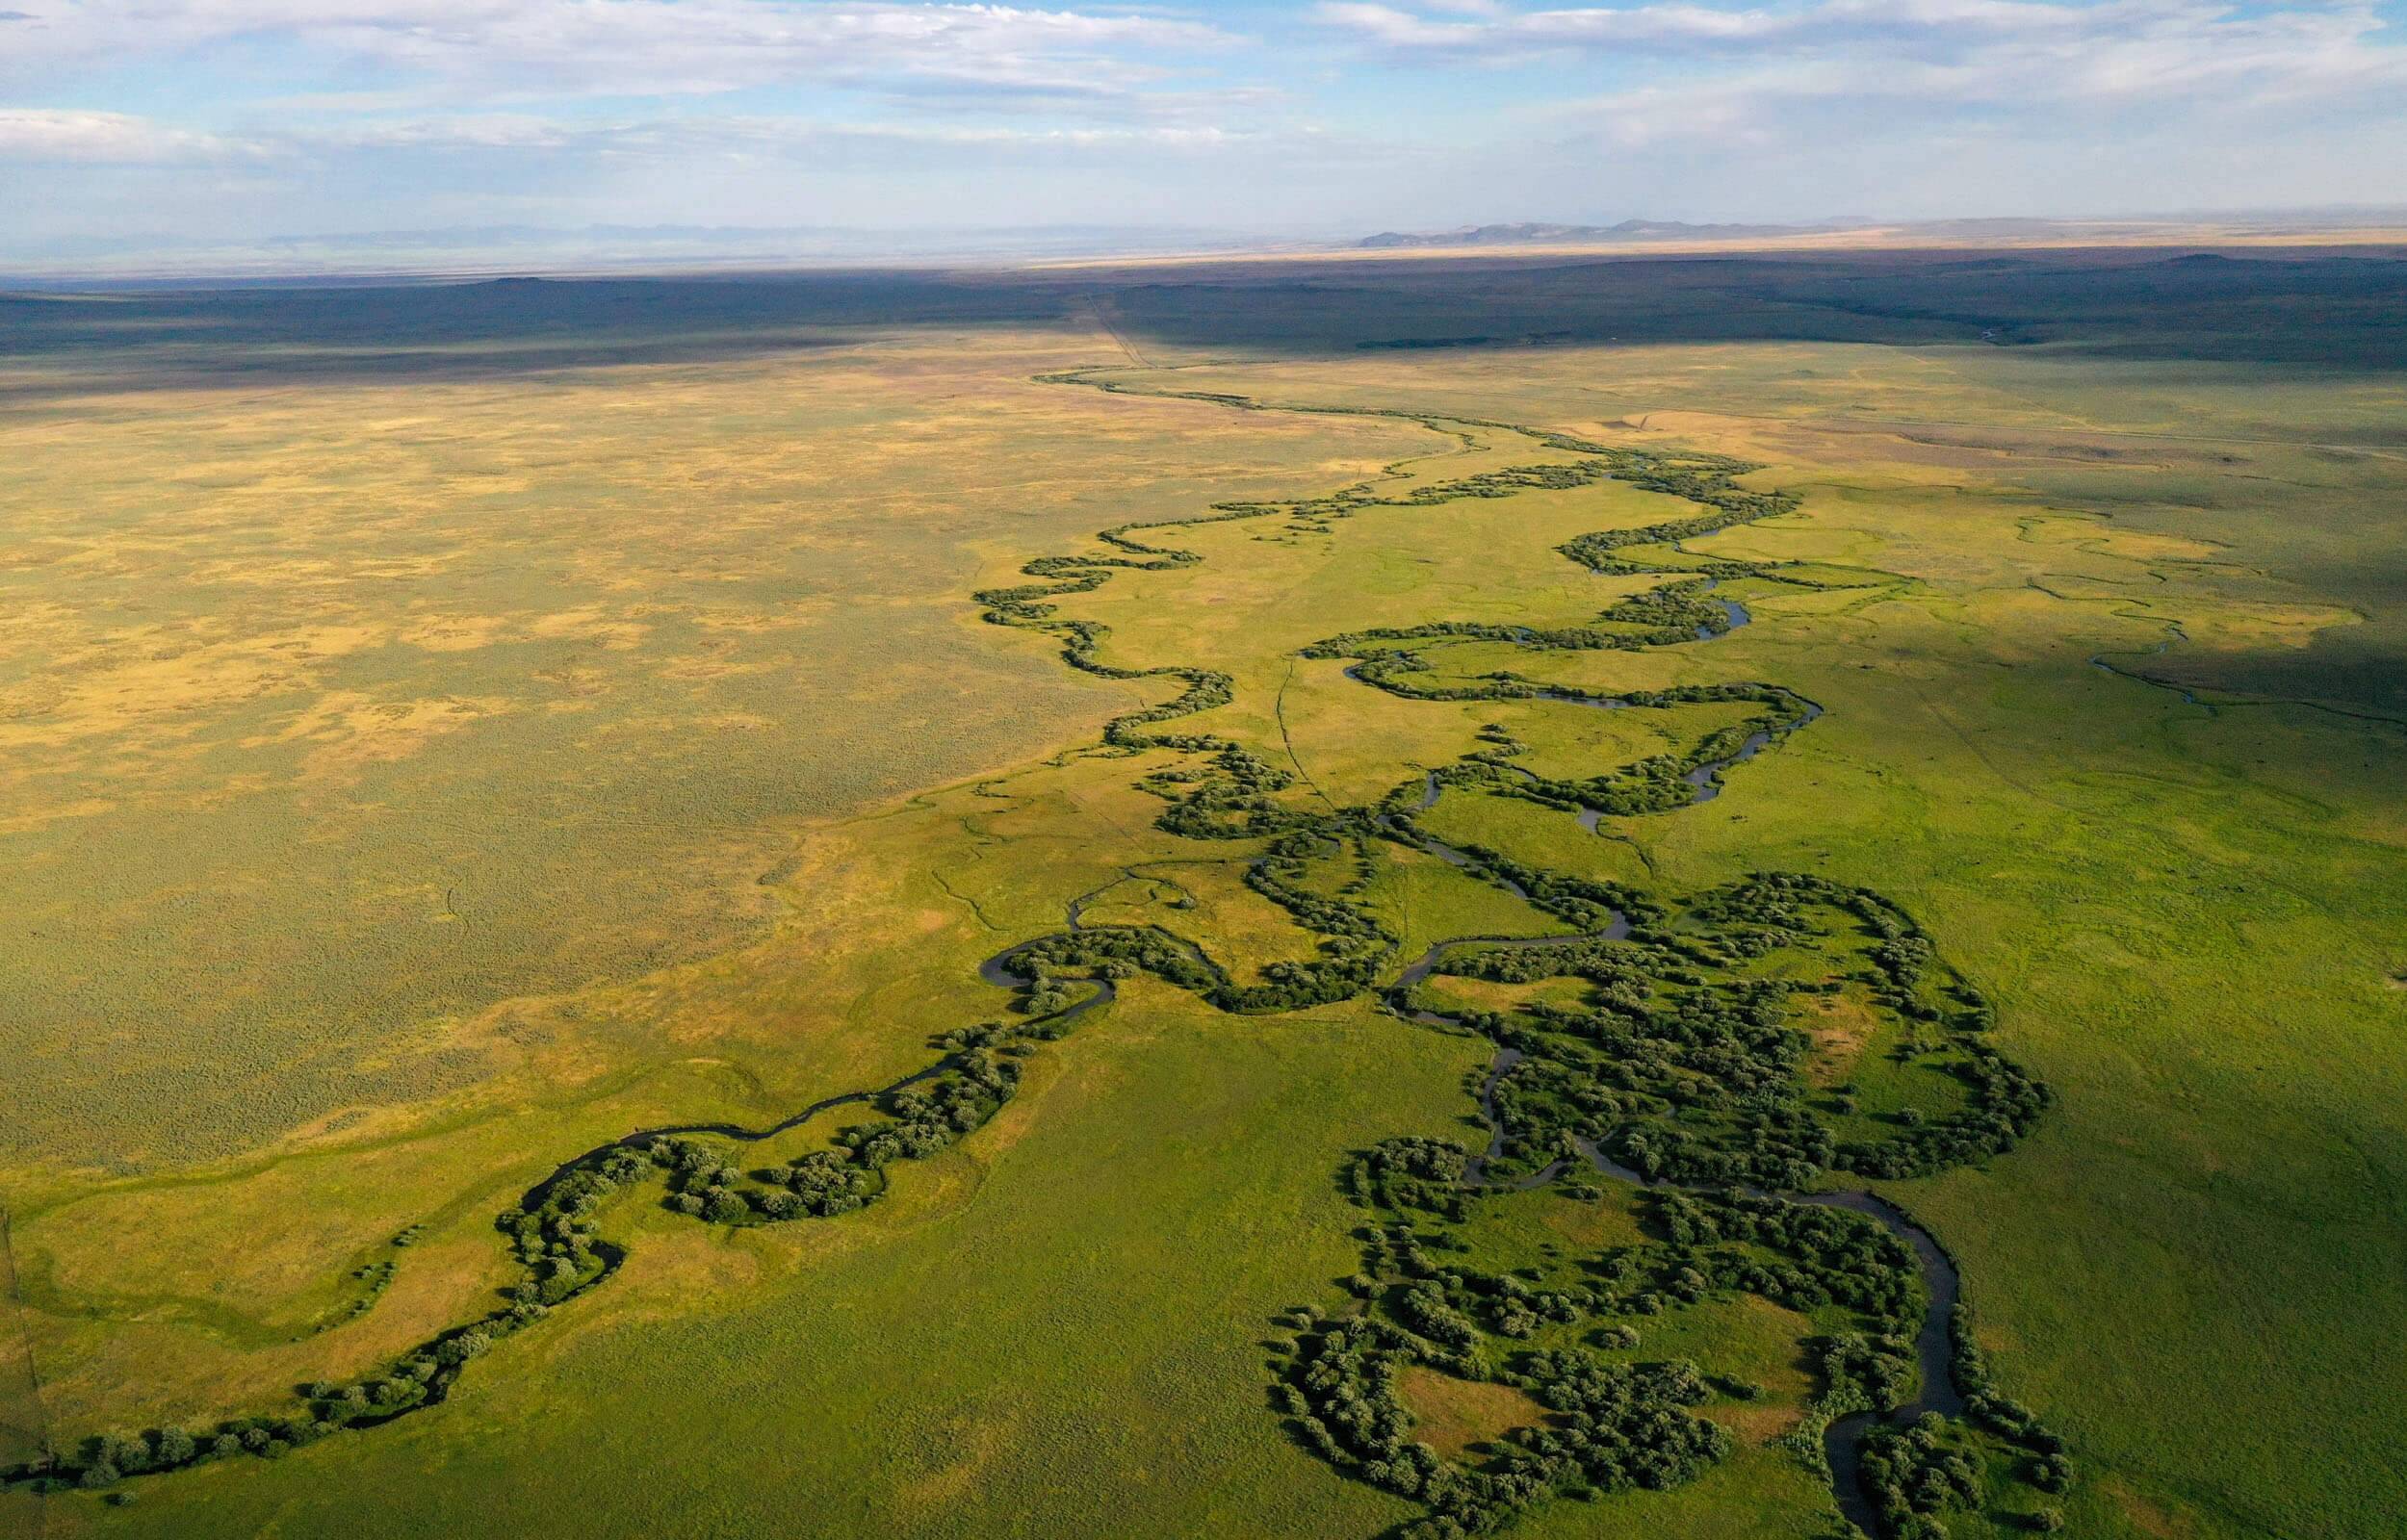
(240, 119)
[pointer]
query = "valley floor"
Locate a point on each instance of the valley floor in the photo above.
(2038, 683)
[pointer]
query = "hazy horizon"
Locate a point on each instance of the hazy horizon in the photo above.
(145, 258)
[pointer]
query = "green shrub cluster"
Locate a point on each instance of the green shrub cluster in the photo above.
(1612, 1426)
(1915, 1474)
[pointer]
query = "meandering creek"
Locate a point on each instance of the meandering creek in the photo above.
(1843, 1440)
(1011, 968)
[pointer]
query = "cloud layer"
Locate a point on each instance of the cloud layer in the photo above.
(254, 115)
(625, 47)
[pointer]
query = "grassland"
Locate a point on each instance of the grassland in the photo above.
(343, 714)
(2182, 912)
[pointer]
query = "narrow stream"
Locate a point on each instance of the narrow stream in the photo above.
(2098, 660)
(1733, 616)
(1706, 777)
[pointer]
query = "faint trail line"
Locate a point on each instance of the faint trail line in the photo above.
(1981, 755)
(1279, 705)
(39, 1427)
(962, 898)
(1103, 319)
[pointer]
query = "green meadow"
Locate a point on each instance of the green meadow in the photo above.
(433, 767)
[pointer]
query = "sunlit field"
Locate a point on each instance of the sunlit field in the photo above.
(1917, 732)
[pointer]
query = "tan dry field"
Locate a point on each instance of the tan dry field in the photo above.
(341, 714)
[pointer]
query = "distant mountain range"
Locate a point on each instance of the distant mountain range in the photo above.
(2009, 231)
(1521, 235)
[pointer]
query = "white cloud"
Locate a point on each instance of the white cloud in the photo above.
(1738, 66)
(38, 136)
(2280, 65)
(641, 47)
(2127, 47)
(693, 138)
